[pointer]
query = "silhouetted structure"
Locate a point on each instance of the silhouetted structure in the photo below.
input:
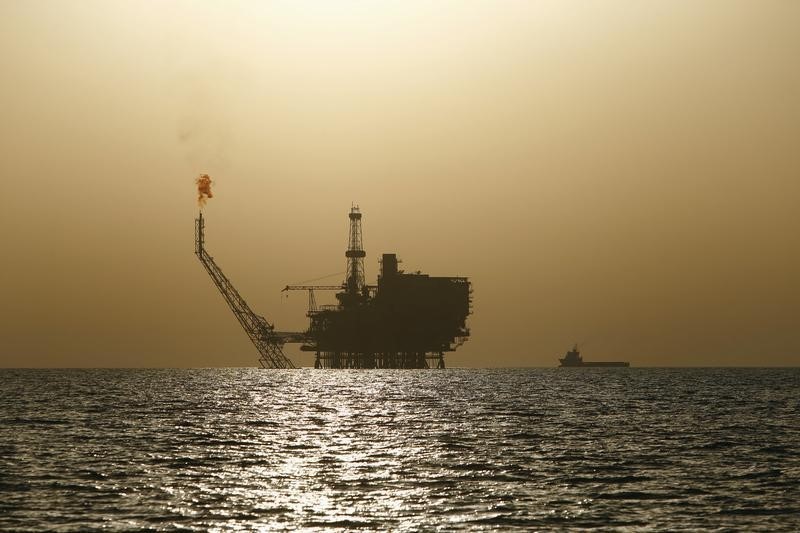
(261, 333)
(573, 358)
(405, 321)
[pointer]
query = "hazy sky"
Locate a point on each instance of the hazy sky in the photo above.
(622, 173)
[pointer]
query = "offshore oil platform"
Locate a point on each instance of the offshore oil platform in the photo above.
(407, 320)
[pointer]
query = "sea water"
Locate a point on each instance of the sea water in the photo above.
(525, 449)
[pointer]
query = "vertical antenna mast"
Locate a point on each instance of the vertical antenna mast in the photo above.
(355, 254)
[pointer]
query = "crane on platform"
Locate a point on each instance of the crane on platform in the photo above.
(312, 301)
(267, 341)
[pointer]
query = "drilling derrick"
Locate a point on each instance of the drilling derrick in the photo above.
(354, 279)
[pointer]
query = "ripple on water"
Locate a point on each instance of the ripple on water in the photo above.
(502, 450)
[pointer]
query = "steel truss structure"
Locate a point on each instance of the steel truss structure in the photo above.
(262, 334)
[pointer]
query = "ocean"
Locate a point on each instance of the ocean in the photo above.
(400, 450)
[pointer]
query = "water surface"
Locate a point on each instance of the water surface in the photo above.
(666, 449)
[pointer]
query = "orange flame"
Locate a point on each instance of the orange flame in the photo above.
(203, 189)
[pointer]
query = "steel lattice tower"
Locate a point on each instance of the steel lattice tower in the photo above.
(355, 254)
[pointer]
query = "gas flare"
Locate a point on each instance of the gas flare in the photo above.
(203, 189)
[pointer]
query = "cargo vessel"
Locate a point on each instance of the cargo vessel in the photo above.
(573, 358)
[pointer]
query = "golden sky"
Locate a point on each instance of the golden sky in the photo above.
(620, 173)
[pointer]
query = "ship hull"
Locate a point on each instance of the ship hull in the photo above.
(617, 364)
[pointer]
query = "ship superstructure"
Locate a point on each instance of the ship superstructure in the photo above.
(573, 358)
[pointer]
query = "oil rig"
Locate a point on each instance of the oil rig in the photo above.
(406, 320)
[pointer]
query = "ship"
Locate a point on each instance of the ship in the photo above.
(406, 320)
(573, 359)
